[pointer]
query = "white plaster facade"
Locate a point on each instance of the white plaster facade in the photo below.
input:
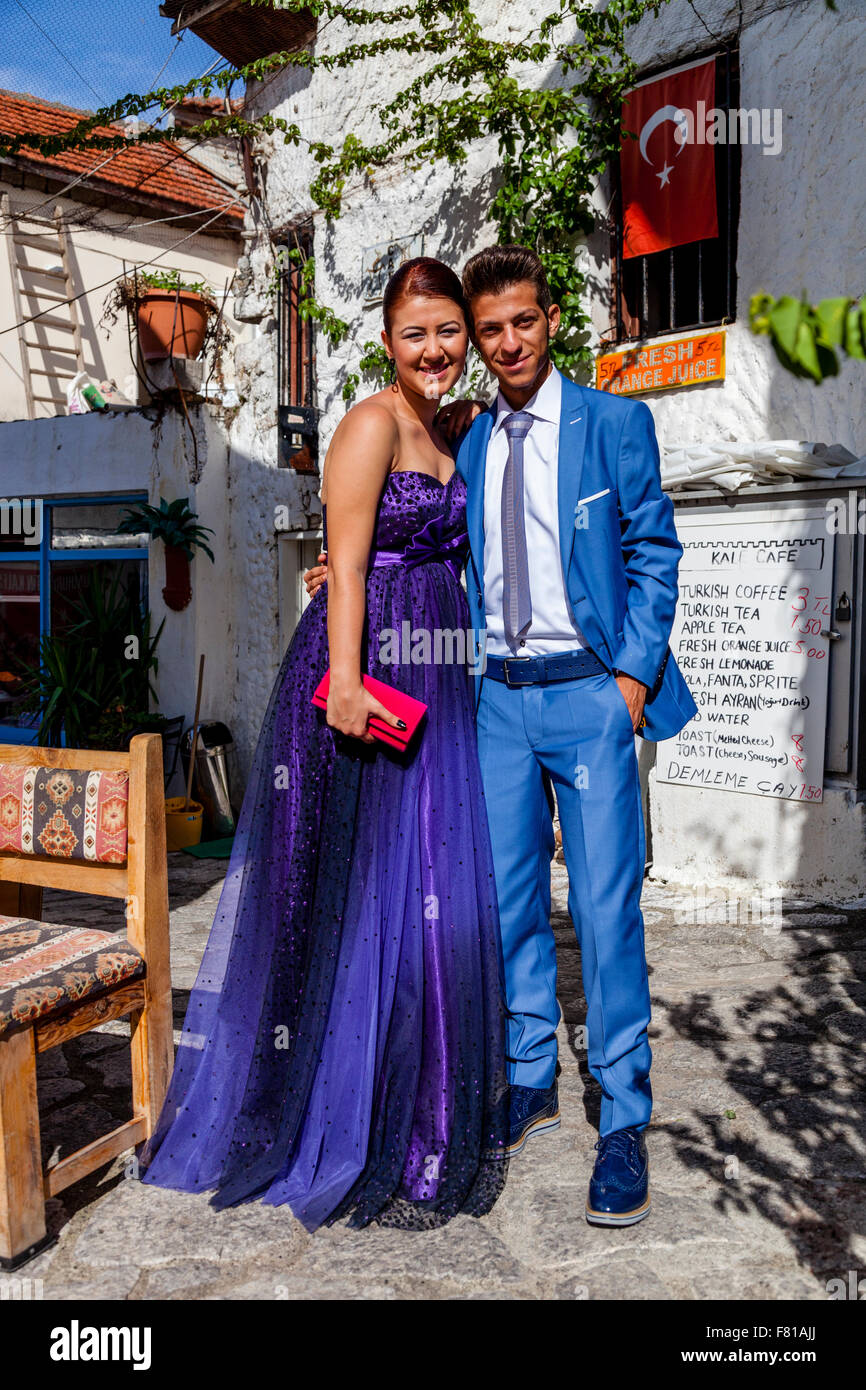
(102, 243)
(800, 228)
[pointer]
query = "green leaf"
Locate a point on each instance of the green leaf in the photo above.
(805, 350)
(828, 362)
(788, 362)
(831, 318)
(784, 317)
(854, 334)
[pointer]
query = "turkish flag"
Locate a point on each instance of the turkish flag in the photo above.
(668, 187)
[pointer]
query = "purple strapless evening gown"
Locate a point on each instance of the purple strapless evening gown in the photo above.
(343, 1047)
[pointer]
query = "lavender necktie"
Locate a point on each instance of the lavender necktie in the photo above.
(516, 599)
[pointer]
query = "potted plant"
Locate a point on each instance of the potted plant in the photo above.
(86, 687)
(174, 317)
(175, 525)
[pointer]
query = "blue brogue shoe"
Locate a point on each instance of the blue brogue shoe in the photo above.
(532, 1111)
(619, 1186)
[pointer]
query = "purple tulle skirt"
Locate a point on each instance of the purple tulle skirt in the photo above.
(343, 1047)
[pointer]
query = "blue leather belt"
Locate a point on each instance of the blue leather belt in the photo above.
(541, 670)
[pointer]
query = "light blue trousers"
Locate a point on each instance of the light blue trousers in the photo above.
(580, 732)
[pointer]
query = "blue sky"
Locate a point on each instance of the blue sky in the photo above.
(117, 46)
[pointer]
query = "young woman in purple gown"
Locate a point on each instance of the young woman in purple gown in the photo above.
(343, 1047)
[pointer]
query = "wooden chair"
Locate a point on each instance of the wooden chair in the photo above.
(57, 982)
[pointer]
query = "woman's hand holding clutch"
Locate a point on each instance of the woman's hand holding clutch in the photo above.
(349, 708)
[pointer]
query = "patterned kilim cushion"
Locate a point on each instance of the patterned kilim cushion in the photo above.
(60, 811)
(45, 968)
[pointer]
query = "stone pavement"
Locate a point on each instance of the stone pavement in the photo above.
(758, 1157)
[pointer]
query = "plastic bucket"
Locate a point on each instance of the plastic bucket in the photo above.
(182, 827)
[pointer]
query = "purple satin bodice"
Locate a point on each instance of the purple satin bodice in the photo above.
(418, 520)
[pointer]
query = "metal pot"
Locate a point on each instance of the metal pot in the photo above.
(212, 779)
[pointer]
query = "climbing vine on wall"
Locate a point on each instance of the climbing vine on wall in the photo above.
(550, 100)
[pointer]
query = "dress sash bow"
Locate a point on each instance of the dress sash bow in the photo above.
(428, 544)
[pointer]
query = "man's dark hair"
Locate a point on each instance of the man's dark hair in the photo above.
(498, 267)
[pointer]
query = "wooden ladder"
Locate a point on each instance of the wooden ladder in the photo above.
(38, 350)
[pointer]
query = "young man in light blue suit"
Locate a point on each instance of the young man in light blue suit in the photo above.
(565, 481)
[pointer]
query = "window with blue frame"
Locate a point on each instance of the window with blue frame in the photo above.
(44, 569)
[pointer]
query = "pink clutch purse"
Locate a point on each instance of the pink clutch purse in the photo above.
(410, 710)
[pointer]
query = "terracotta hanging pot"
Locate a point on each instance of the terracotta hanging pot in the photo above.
(171, 323)
(178, 589)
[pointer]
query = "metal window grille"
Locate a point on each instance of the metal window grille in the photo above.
(691, 286)
(297, 415)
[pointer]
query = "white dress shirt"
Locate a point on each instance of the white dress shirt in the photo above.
(553, 628)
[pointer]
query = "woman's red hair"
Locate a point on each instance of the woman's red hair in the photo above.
(423, 276)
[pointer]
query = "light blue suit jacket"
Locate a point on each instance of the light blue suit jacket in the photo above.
(619, 549)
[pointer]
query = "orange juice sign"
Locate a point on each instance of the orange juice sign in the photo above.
(675, 362)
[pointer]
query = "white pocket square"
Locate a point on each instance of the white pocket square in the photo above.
(603, 493)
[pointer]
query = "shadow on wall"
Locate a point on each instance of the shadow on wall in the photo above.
(93, 337)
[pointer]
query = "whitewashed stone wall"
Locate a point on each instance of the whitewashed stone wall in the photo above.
(800, 228)
(801, 220)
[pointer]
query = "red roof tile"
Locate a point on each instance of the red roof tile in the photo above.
(157, 173)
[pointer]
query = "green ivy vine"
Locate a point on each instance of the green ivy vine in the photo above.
(554, 141)
(553, 144)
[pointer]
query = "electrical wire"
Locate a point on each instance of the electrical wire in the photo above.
(23, 215)
(167, 61)
(88, 173)
(74, 222)
(262, 86)
(32, 318)
(76, 219)
(158, 221)
(66, 60)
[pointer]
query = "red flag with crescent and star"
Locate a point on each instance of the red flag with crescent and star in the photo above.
(669, 184)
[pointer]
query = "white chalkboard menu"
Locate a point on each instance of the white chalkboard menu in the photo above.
(755, 594)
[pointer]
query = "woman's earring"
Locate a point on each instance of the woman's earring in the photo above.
(392, 373)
